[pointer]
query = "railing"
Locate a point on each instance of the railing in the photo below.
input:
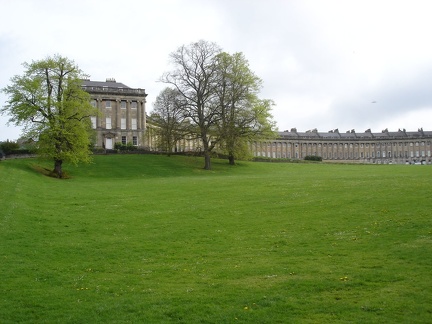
(94, 89)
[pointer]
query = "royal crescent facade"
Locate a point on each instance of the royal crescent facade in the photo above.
(368, 147)
(122, 118)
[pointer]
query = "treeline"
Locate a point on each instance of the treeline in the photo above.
(14, 148)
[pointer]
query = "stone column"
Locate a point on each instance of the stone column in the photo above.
(139, 115)
(117, 114)
(128, 115)
(101, 113)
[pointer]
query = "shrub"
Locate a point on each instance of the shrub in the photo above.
(8, 147)
(313, 158)
(124, 147)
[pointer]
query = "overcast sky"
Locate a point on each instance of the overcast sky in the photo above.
(326, 64)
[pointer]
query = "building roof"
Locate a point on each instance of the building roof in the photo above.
(111, 87)
(351, 134)
(108, 83)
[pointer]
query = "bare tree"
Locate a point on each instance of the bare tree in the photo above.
(169, 117)
(195, 79)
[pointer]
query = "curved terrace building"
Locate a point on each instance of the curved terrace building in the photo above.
(122, 118)
(367, 147)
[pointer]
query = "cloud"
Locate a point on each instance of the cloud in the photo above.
(322, 62)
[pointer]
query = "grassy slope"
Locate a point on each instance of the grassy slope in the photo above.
(156, 239)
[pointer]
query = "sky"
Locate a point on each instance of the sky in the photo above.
(333, 64)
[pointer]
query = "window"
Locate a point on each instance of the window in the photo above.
(93, 121)
(123, 123)
(108, 104)
(108, 123)
(123, 104)
(93, 103)
(134, 123)
(134, 105)
(135, 140)
(124, 140)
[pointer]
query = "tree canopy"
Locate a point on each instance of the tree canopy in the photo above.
(49, 102)
(220, 95)
(243, 116)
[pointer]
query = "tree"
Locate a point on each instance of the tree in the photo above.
(243, 116)
(195, 79)
(49, 102)
(169, 117)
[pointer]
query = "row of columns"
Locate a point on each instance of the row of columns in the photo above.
(345, 150)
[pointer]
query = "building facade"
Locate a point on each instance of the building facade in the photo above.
(367, 147)
(122, 119)
(122, 113)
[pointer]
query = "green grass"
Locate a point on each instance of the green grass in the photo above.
(152, 239)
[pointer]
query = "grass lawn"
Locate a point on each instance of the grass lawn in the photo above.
(152, 239)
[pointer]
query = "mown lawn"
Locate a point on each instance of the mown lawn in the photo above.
(152, 239)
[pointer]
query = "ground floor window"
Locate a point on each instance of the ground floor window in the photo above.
(135, 140)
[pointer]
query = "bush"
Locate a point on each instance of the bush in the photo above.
(124, 147)
(313, 158)
(8, 147)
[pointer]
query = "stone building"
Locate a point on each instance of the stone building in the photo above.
(122, 113)
(122, 118)
(367, 147)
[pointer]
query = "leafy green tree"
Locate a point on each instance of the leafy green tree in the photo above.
(194, 77)
(244, 117)
(169, 116)
(49, 102)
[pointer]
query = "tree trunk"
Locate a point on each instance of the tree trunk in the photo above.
(207, 162)
(231, 159)
(58, 168)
